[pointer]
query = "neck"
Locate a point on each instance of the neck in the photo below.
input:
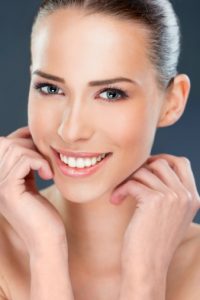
(95, 233)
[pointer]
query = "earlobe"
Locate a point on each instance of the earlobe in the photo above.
(175, 101)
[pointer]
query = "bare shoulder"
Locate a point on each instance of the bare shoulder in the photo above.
(184, 271)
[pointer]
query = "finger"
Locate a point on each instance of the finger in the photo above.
(145, 176)
(26, 164)
(20, 133)
(133, 188)
(25, 142)
(6, 143)
(11, 156)
(182, 167)
(162, 169)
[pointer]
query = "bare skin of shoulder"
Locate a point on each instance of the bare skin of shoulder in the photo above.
(182, 279)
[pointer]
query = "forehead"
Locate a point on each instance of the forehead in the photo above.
(68, 41)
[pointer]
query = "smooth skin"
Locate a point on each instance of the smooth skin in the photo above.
(125, 232)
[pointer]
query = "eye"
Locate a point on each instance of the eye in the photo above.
(48, 89)
(114, 94)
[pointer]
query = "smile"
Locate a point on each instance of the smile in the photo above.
(80, 166)
(79, 162)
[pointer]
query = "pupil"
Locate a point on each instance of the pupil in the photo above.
(111, 93)
(52, 89)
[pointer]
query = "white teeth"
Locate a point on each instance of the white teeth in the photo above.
(71, 162)
(98, 158)
(87, 162)
(81, 162)
(65, 159)
(94, 161)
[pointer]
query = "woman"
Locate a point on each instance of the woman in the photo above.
(117, 222)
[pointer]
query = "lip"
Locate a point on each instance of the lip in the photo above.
(78, 154)
(79, 172)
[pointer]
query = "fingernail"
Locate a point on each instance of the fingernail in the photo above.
(50, 173)
(116, 199)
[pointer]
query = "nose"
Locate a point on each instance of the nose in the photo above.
(76, 125)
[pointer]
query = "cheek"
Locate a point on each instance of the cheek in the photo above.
(41, 121)
(131, 127)
(132, 133)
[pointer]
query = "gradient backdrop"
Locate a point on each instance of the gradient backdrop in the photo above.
(16, 18)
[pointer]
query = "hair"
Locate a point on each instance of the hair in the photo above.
(157, 15)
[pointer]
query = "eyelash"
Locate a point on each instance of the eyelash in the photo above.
(38, 86)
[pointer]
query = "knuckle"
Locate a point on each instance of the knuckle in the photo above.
(172, 196)
(24, 157)
(12, 146)
(158, 199)
(163, 161)
(185, 160)
(4, 140)
(4, 190)
(186, 199)
(131, 185)
(159, 196)
(159, 162)
(189, 195)
(186, 195)
(140, 172)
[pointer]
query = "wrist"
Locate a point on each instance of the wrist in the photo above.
(143, 286)
(50, 275)
(48, 247)
(49, 258)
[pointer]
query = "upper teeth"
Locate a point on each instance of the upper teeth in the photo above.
(80, 162)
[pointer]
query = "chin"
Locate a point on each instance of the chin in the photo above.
(83, 194)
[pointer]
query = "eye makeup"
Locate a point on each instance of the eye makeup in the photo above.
(48, 89)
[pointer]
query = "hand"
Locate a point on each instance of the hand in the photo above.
(31, 215)
(166, 202)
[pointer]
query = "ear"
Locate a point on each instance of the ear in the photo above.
(174, 101)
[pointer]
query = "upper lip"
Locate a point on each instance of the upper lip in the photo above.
(78, 154)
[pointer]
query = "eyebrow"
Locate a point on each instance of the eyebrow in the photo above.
(91, 83)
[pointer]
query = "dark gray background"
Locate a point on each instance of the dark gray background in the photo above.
(16, 18)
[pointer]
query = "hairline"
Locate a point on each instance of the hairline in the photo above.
(89, 11)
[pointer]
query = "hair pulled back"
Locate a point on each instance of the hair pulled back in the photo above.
(157, 15)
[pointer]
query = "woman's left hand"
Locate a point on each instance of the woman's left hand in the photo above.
(166, 202)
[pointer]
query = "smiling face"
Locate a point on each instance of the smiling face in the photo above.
(77, 115)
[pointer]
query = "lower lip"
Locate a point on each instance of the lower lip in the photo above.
(80, 172)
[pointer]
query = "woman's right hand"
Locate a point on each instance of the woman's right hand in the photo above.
(30, 214)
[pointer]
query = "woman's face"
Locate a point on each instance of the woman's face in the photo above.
(74, 115)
